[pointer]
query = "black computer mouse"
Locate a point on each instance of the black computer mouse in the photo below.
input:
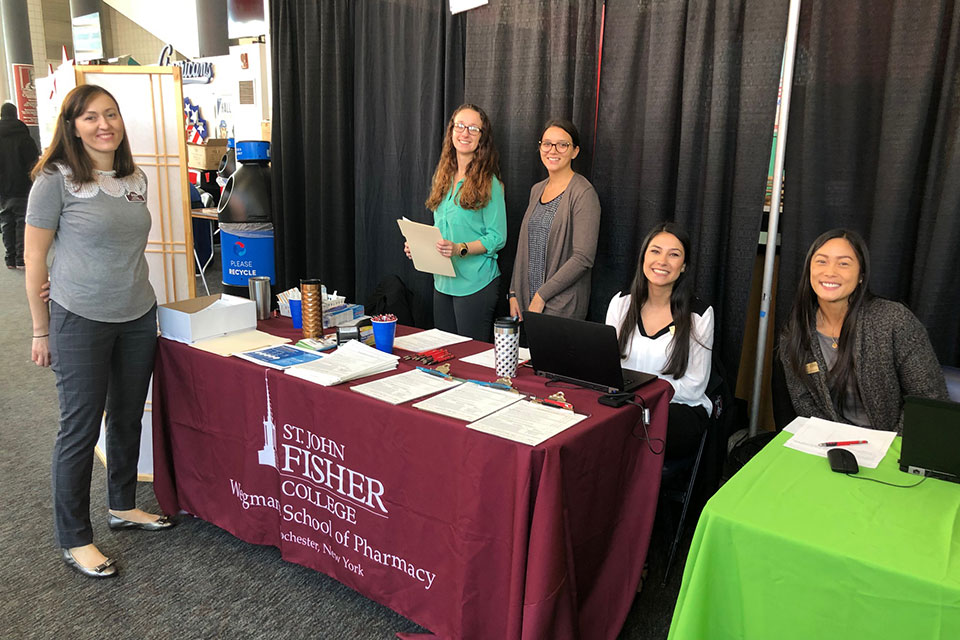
(842, 461)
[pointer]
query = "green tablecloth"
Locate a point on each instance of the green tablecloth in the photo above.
(789, 549)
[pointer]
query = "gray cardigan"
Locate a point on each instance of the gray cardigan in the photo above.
(571, 247)
(893, 358)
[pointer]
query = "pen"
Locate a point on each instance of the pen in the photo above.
(842, 443)
(434, 372)
(494, 385)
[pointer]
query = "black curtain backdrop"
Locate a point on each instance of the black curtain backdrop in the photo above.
(687, 105)
(872, 145)
(527, 62)
(409, 79)
(312, 148)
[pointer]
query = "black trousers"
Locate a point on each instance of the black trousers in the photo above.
(13, 215)
(470, 315)
(98, 365)
(685, 425)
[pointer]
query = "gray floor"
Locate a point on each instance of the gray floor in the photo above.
(194, 581)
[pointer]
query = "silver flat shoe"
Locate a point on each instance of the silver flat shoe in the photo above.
(105, 570)
(116, 522)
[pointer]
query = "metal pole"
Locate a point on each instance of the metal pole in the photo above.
(789, 55)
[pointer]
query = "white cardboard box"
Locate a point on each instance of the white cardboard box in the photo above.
(206, 317)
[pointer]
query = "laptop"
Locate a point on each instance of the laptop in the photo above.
(931, 438)
(580, 352)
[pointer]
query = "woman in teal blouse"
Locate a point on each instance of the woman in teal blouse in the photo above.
(468, 207)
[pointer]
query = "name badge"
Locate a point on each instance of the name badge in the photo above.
(133, 196)
(812, 367)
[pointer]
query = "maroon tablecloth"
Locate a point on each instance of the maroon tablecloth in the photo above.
(465, 533)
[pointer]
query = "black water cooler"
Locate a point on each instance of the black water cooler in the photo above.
(246, 219)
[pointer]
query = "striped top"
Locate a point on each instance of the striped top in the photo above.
(538, 232)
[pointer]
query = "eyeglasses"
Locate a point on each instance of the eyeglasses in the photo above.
(460, 127)
(562, 147)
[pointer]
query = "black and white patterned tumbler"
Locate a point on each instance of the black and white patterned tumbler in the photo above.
(506, 345)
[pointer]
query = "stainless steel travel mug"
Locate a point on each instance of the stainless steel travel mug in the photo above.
(260, 294)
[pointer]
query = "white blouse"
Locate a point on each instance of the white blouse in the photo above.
(650, 353)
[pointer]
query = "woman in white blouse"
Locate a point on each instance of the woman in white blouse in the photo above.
(664, 329)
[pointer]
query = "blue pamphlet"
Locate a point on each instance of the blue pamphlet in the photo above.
(283, 356)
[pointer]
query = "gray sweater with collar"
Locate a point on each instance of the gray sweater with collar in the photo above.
(893, 358)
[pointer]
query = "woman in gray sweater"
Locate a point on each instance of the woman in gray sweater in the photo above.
(848, 356)
(558, 235)
(89, 200)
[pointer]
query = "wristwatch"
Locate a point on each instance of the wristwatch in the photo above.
(463, 250)
(511, 295)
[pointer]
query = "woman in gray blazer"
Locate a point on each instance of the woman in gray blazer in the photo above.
(558, 235)
(848, 356)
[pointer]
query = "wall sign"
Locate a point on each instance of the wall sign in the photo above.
(25, 93)
(190, 72)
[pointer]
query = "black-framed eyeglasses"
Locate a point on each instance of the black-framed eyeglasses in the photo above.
(474, 130)
(562, 146)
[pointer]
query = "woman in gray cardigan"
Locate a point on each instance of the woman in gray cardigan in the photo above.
(558, 235)
(848, 356)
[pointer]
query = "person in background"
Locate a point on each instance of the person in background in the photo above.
(558, 235)
(468, 207)
(89, 200)
(18, 154)
(849, 356)
(664, 329)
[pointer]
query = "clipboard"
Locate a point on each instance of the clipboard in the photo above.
(422, 240)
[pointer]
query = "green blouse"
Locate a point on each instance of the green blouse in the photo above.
(488, 225)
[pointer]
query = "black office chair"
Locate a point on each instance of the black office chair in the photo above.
(952, 376)
(674, 470)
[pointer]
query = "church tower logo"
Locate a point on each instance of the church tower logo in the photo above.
(268, 455)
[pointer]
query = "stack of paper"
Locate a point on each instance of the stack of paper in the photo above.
(810, 433)
(406, 386)
(351, 360)
(527, 422)
(488, 358)
(469, 401)
(426, 340)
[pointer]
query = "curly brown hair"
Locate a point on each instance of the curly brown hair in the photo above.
(475, 193)
(66, 148)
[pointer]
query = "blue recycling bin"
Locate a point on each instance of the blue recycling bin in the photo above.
(246, 251)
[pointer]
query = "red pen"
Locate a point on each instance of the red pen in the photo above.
(842, 443)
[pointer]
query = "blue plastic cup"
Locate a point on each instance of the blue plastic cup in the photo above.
(383, 334)
(296, 312)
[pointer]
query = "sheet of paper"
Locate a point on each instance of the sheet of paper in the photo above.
(423, 239)
(236, 342)
(527, 422)
(469, 402)
(351, 360)
(457, 6)
(488, 358)
(429, 339)
(795, 424)
(281, 356)
(406, 386)
(816, 430)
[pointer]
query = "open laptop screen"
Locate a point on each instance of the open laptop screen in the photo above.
(580, 352)
(931, 438)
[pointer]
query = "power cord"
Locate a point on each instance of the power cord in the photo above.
(889, 484)
(645, 422)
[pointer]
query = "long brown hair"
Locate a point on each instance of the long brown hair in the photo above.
(681, 298)
(66, 148)
(475, 193)
(795, 341)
